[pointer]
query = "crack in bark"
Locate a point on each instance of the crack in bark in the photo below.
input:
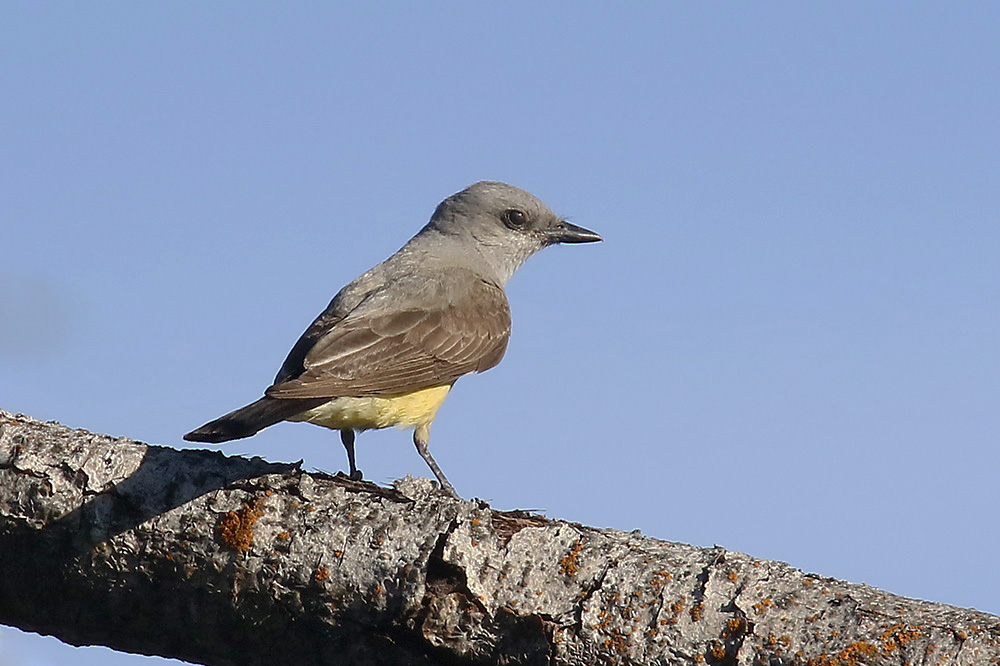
(581, 606)
(718, 555)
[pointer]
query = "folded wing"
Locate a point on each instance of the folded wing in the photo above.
(407, 349)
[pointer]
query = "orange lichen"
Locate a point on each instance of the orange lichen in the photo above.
(855, 651)
(617, 643)
(321, 574)
(235, 528)
(852, 655)
(699, 658)
(284, 536)
(735, 625)
(569, 565)
(659, 580)
(604, 623)
(696, 611)
(763, 605)
(778, 643)
(897, 636)
(718, 651)
(731, 575)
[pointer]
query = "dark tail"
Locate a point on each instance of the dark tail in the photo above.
(251, 419)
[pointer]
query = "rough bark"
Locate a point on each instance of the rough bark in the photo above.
(223, 560)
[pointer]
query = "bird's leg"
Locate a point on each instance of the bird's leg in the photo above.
(421, 435)
(347, 437)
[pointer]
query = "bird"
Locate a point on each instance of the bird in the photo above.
(391, 344)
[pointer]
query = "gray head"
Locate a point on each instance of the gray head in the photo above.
(505, 225)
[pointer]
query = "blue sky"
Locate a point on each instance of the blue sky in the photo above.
(787, 345)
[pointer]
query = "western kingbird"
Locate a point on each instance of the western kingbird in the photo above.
(388, 348)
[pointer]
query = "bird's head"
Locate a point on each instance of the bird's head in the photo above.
(502, 225)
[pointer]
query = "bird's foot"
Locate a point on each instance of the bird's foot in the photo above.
(447, 487)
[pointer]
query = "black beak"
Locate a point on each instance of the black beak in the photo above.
(565, 232)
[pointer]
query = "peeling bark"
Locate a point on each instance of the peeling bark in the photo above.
(223, 560)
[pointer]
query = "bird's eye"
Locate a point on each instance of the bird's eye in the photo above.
(515, 219)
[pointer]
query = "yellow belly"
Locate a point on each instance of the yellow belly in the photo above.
(367, 413)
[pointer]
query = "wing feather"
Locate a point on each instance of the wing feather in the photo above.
(409, 349)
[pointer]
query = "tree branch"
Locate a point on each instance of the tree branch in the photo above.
(223, 560)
